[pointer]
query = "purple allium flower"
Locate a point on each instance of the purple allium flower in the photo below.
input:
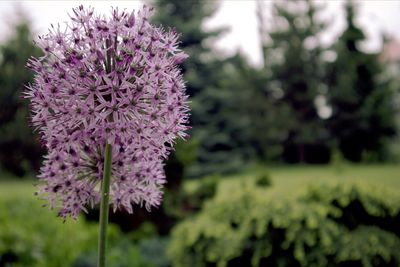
(105, 80)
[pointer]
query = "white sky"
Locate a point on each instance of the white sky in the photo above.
(375, 17)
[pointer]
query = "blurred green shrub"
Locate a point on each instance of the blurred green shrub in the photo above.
(33, 236)
(329, 225)
(205, 189)
(180, 204)
(264, 180)
(153, 251)
(121, 253)
(337, 162)
(144, 231)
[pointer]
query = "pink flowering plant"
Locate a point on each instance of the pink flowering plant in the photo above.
(108, 100)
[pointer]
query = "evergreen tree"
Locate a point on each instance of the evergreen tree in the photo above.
(187, 18)
(363, 115)
(296, 70)
(214, 128)
(19, 150)
(225, 127)
(256, 117)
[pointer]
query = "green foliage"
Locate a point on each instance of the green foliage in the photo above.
(241, 114)
(221, 123)
(19, 151)
(205, 189)
(146, 230)
(361, 98)
(187, 18)
(264, 180)
(119, 254)
(183, 203)
(377, 202)
(217, 129)
(337, 161)
(32, 236)
(153, 251)
(329, 225)
(185, 151)
(296, 77)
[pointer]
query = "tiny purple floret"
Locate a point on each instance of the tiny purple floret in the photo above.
(102, 80)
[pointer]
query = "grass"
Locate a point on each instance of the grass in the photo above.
(284, 178)
(293, 180)
(17, 188)
(386, 175)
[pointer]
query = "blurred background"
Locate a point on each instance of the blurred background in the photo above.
(294, 152)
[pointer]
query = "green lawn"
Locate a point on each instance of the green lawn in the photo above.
(284, 178)
(387, 175)
(17, 188)
(293, 180)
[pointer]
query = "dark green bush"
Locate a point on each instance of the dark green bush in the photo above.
(153, 251)
(185, 202)
(33, 236)
(264, 179)
(205, 189)
(330, 225)
(120, 254)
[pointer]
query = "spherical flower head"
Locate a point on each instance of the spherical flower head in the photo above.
(107, 80)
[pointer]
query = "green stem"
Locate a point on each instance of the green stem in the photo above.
(105, 191)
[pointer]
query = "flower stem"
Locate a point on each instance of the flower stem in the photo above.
(105, 190)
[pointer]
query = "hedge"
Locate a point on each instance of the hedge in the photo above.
(333, 224)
